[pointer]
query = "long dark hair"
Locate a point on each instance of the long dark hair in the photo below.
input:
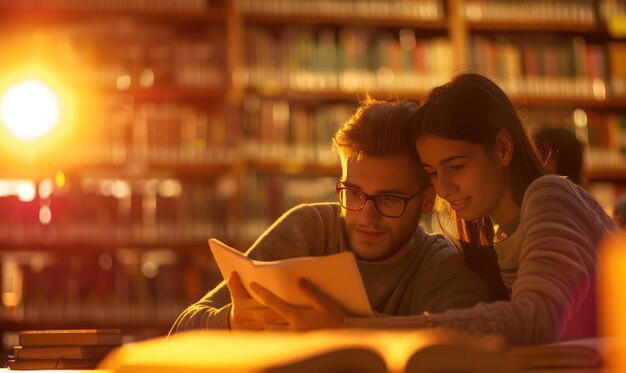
(472, 108)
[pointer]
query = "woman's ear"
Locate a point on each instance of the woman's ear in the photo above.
(504, 147)
(428, 200)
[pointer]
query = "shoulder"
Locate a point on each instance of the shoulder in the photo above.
(556, 200)
(557, 192)
(550, 182)
(302, 231)
(434, 246)
(311, 219)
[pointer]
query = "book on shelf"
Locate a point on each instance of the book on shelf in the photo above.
(338, 350)
(336, 275)
(71, 337)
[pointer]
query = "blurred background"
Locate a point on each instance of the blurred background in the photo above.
(131, 131)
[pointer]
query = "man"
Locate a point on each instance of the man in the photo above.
(382, 192)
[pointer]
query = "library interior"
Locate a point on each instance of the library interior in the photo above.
(132, 131)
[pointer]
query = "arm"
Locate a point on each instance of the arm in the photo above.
(210, 312)
(289, 236)
(560, 227)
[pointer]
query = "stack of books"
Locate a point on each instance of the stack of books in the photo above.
(63, 349)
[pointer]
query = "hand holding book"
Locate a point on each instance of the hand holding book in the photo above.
(337, 276)
(323, 313)
(246, 313)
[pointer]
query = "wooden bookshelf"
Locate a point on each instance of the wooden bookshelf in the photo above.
(274, 20)
(611, 104)
(538, 27)
(607, 174)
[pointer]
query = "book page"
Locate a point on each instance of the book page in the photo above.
(334, 350)
(230, 260)
(335, 275)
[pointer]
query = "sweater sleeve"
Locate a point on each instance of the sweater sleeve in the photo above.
(561, 228)
(290, 236)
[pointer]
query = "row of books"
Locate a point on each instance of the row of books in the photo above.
(122, 53)
(165, 212)
(117, 210)
(607, 140)
(266, 197)
(329, 60)
(348, 59)
(169, 133)
(89, 288)
(602, 133)
(402, 9)
(612, 8)
(551, 67)
(172, 132)
(115, 5)
(617, 56)
(559, 11)
(275, 130)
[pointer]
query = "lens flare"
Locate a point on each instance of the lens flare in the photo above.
(30, 109)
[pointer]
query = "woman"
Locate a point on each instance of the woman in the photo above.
(540, 260)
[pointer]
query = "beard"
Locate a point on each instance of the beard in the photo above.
(363, 253)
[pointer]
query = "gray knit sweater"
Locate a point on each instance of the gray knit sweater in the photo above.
(549, 263)
(430, 277)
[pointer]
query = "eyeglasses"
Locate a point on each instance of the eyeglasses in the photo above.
(388, 205)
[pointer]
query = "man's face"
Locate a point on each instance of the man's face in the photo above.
(373, 237)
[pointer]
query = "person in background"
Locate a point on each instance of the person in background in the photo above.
(564, 155)
(619, 211)
(563, 152)
(531, 237)
(382, 192)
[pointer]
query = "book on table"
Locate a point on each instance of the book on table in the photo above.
(71, 337)
(63, 349)
(60, 352)
(339, 350)
(336, 275)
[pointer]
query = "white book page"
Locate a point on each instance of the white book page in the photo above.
(335, 275)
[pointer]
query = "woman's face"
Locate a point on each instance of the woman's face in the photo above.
(471, 179)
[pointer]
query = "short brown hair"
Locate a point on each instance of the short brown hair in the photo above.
(379, 128)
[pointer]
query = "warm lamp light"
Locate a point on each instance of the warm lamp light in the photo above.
(30, 109)
(612, 283)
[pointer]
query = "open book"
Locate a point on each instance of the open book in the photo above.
(342, 350)
(581, 353)
(336, 275)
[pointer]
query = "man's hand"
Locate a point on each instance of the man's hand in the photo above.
(322, 314)
(246, 313)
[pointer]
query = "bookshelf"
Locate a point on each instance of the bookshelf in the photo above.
(210, 118)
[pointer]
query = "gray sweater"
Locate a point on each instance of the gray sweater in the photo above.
(549, 263)
(430, 277)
